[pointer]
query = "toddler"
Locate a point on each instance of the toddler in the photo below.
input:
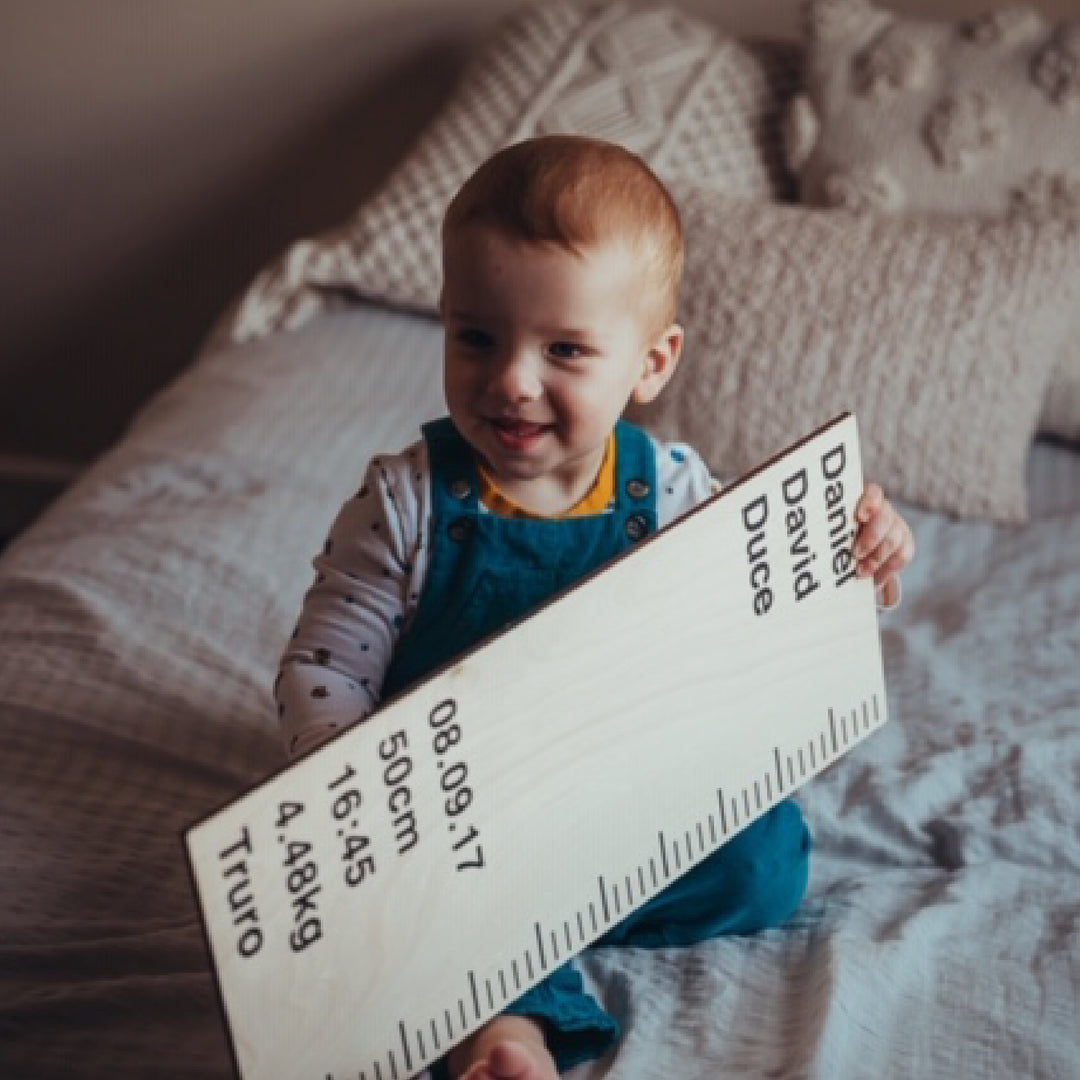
(561, 264)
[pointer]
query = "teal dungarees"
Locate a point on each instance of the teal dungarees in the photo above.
(486, 571)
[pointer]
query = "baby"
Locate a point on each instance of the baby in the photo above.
(561, 264)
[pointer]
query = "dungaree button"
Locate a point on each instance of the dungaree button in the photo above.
(637, 489)
(637, 525)
(459, 530)
(460, 489)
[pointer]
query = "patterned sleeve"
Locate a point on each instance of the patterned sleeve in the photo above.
(365, 587)
(683, 478)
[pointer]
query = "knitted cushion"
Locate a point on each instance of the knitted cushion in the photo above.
(936, 333)
(912, 114)
(691, 101)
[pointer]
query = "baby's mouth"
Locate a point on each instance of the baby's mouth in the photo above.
(517, 434)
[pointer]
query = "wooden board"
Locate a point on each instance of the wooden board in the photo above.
(372, 904)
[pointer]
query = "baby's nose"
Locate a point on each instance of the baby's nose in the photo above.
(519, 377)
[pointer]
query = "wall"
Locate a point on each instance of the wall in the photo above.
(155, 155)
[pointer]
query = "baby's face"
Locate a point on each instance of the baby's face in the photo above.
(544, 348)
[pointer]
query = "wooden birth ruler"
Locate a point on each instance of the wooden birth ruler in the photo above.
(373, 903)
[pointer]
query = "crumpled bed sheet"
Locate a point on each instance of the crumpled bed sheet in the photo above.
(140, 624)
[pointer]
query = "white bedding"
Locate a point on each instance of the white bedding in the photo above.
(140, 624)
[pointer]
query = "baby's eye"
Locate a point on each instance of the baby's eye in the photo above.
(566, 350)
(472, 338)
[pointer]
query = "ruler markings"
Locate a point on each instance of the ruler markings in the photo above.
(461, 1006)
(675, 854)
(604, 904)
(435, 1035)
(529, 964)
(876, 715)
(554, 947)
(592, 915)
(675, 849)
(378, 1072)
(641, 873)
(652, 870)
(652, 862)
(475, 994)
(832, 728)
(791, 770)
(540, 947)
(843, 738)
(393, 1066)
(420, 1043)
(734, 812)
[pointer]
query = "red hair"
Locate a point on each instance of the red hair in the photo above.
(575, 192)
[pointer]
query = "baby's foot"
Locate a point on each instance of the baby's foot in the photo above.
(508, 1048)
(513, 1061)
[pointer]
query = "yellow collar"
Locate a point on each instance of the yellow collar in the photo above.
(596, 500)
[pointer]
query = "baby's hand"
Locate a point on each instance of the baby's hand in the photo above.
(884, 543)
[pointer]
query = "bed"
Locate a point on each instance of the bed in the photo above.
(141, 618)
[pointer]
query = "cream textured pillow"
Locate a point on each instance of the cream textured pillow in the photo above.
(937, 334)
(690, 100)
(979, 116)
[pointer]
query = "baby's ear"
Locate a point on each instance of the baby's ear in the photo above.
(659, 364)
